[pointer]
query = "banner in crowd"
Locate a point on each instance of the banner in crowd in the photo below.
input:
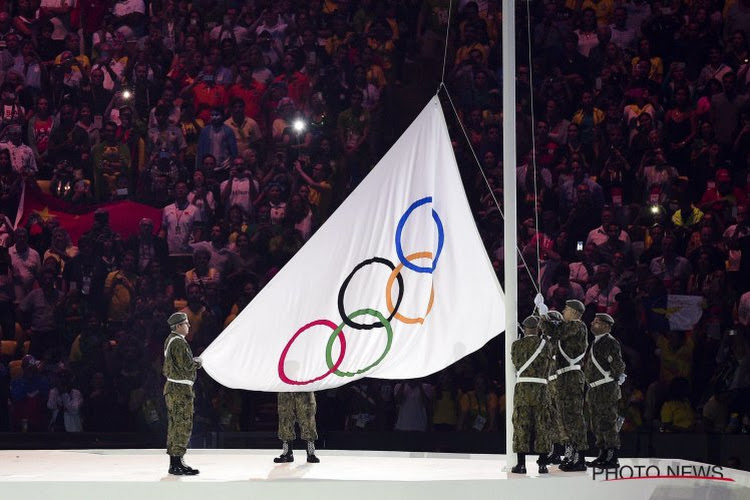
(124, 216)
(673, 312)
(395, 285)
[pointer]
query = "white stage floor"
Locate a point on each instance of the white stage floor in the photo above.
(142, 474)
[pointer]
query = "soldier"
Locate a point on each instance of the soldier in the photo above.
(549, 326)
(571, 348)
(180, 369)
(299, 407)
(605, 372)
(530, 429)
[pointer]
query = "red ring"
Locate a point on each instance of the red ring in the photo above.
(282, 359)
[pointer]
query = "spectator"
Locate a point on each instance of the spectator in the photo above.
(217, 139)
(29, 395)
(676, 414)
(119, 292)
(413, 398)
(26, 264)
(180, 222)
(39, 315)
(65, 403)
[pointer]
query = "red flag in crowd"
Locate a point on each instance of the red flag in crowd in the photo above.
(124, 216)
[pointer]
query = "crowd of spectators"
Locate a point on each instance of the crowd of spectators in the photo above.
(633, 115)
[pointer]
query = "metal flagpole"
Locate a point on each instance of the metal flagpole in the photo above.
(509, 204)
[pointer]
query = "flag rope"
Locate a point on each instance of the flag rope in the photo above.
(533, 151)
(486, 181)
(445, 45)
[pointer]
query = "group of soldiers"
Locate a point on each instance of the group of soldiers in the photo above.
(562, 384)
(180, 369)
(558, 376)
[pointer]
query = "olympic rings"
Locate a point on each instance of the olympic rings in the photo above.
(383, 322)
(397, 274)
(342, 291)
(400, 228)
(333, 367)
(338, 331)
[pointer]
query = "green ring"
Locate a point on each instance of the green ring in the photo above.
(332, 338)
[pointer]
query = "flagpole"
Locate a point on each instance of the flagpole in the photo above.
(509, 204)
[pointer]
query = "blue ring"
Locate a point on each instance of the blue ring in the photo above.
(400, 228)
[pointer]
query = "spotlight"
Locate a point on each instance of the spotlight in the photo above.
(299, 125)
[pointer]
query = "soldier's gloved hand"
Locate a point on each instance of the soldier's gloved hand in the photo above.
(199, 362)
(541, 307)
(621, 379)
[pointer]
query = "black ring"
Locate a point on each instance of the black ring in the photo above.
(342, 291)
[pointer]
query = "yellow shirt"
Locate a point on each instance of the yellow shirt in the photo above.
(119, 304)
(675, 363)
(678, 413)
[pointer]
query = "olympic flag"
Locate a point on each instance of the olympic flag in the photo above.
(396, 284)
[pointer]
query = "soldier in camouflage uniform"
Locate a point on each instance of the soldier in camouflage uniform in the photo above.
(299, 407)
(530, 426)
(550, 326)
(180, 368)
(605, 372)
(571, 348)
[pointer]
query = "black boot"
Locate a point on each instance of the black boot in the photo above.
(595, 462)
(567, 454)
(609, 461)
(553, 458)
(311, 458)
(577, 463)
(177, 467)
(542, 463)
(520, 467)
(286, 454)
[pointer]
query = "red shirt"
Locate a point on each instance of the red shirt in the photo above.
(298, 86)
(205, 98)
(252, 96)
(42, 129)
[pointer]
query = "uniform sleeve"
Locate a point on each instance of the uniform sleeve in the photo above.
(182, 360)
(514, 354)
(616, 365)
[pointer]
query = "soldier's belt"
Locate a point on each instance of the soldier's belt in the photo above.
(568, 369)
(183, 382)
(552, 377)
(601, 381)
(532, 380)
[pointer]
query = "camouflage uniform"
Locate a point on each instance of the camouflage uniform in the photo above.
(551, 331)
(299, 406)
(178, 365)
(530, 425)
(570, 383)
(604, 391)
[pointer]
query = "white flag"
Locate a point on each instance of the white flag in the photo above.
(396, 284)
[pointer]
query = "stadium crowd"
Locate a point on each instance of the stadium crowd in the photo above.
(633, 116)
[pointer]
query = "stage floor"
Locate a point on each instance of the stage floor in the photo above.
(142, 474)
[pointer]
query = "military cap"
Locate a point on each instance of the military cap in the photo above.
(177, 318)
(555, 316)
(606, 318)
(576, 305)
(530, 322)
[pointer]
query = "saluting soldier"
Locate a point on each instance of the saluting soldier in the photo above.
(299, 407)
(530, 426)
(180, 368)
(605, 372)
(571, 348)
